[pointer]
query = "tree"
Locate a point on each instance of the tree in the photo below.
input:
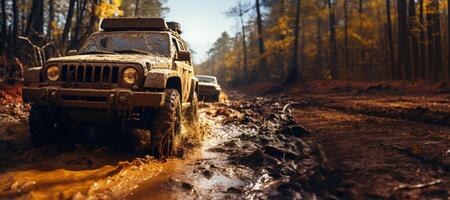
(333, 42)
(136, 8)
(262, 60)
(423, 41)
(293, 72)
(346, 35)
(68, 23)
(403, 47)
(413, 71)
(4, 31)
(390, 39)
(36, 18)
(51, 18)
(448, 37)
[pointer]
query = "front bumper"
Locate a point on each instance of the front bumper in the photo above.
(111, 99)
(208, 91)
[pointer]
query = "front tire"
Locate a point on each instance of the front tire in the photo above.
(43, 129)
(166, 125)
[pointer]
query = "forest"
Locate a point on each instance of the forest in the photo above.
(312, 99)
(29, 27)
(290, 40)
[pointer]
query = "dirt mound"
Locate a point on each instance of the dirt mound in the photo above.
(11, 94)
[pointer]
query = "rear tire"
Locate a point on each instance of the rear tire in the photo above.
(43, 129)
(166, 125)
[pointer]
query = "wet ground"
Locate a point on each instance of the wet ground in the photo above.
(348, 145)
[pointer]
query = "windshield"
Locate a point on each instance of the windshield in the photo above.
(206, 79)
(121, 42)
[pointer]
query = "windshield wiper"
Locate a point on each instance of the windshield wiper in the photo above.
(131, 51)
(97, 52)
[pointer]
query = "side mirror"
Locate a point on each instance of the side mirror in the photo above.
(72, 52)
(184, 56)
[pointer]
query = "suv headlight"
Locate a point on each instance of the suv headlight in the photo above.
(53, 73)
(130, 75)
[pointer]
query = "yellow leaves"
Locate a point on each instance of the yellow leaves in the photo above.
(109, 9)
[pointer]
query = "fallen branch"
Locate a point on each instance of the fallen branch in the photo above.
(417, 186)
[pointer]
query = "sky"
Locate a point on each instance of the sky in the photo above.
(202, 21)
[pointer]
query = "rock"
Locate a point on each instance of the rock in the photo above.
(280, 153)
(296, 130)
(187, 186)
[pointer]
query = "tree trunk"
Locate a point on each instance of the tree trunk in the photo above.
(293, 74)
(346, 37)
(81, 7)
(93, 19)
(4, 20)
(36, 18)
(68, 24)
(51, 18)
(423, 42)
(437, 41)
(262, 71)
(136, 8)
(448, 39)
(319, 62)
(413, 22)
(403, 47)
(333, 42)
(244, 42)
(15, 24)
(390, 39)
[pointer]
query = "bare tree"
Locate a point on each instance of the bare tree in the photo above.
(240, 11)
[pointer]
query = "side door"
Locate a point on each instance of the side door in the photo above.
(183, 70)
(188, 71)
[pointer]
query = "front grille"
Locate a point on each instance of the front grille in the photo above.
(90, 74)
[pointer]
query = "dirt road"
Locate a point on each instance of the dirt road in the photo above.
(283, 146)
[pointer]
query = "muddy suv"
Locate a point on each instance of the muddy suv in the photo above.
(208, 88)
(134, 73)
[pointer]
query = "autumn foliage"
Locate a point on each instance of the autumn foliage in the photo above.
(372, 40)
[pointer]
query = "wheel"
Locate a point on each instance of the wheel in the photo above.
(216, 97)
(43, 129)
(166, 125)
(192, 111)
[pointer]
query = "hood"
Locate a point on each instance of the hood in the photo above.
(207, 84)
(115, 58)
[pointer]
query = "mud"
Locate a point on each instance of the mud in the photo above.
(285, 146)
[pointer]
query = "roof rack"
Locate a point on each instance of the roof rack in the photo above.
(175, 26)
(123, 24)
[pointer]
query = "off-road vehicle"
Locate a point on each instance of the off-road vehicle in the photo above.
(135, 72)
(208, 88)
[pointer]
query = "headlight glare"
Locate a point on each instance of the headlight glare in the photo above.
(53, 73)
(130, 75)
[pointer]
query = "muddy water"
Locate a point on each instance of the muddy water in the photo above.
(189, 178)
(102, 173)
